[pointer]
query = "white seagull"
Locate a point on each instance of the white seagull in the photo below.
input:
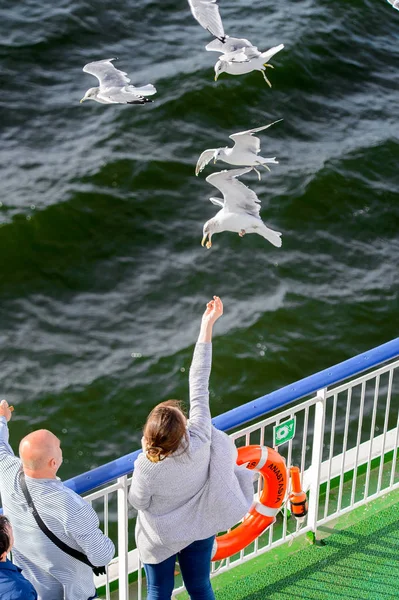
(246, 60)
(235, 51)
(206, 12)
(395, 3)
(244, 153)
(114, 85)
(239, 209)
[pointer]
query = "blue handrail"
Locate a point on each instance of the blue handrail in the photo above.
(251, 410)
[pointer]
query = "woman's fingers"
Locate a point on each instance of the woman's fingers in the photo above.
(218, 304)
(209, 308)
(214, 308)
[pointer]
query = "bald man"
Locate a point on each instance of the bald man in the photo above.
(54, 574)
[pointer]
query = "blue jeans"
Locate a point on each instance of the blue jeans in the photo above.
(195, 566)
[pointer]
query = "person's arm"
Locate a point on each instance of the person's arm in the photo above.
(200, 414)
(6, 452)
(84, 529)
(139, 493)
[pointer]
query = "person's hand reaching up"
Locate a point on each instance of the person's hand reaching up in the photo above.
(214, 310)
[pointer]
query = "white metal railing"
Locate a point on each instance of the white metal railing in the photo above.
(339, 433)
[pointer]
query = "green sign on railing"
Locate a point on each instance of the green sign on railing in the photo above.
(284, 432)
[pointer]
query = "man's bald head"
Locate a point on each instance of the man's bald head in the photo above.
(40, 454)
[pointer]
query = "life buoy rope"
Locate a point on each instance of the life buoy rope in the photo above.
(271, 465)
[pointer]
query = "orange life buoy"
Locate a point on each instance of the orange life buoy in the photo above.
(271, 465)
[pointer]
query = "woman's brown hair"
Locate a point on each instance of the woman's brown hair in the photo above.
(164, 430)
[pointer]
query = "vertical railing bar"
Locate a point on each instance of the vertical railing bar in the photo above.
(107, 588)
(303, 453)
(262, 436)
(317, 455)
(106, 498)
(122, 539)
(256, 547)
(139, 579)
(330, 455)
(358, 440)
(344, 448)
(285, 523)
(298, 522)
(304, 439)
(259, 482)
(395, 454)
(270, 530)
(289, 456)
(289, 463)
(288, 492)
(372, 431)
(387, 409)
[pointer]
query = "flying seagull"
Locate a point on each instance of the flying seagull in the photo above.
(206, 12)
(235, 51)
(115, 87)
(246, 60)
(395, 3)
(244, 152)
(240, 209)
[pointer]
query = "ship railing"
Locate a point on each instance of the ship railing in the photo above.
(346, 439)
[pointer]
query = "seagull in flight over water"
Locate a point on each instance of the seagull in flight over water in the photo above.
(238, 56)
(240, 209)
(115, 87)
(244, 152)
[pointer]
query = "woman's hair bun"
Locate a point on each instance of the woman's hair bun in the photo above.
(164, 431)
(154, 454)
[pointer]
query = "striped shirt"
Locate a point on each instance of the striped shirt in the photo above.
(54, 574)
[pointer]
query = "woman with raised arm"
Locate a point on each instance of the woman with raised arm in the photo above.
(186, 485)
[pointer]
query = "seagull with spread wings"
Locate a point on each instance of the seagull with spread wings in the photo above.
(206, 12)
(238, 56)
(244, 153)
(245, 61)
(115, 87)
(240, 209)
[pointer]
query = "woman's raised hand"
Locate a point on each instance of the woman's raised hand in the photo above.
(214, 310)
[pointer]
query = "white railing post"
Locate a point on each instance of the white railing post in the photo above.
(317, 456)
(123, 539)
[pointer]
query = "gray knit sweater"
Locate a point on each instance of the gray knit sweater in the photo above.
(195, 493)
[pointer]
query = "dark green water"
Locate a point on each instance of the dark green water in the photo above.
(101, 213)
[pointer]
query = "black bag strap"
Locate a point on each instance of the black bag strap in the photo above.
(61, 545)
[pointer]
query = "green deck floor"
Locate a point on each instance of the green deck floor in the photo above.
(360, 560)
